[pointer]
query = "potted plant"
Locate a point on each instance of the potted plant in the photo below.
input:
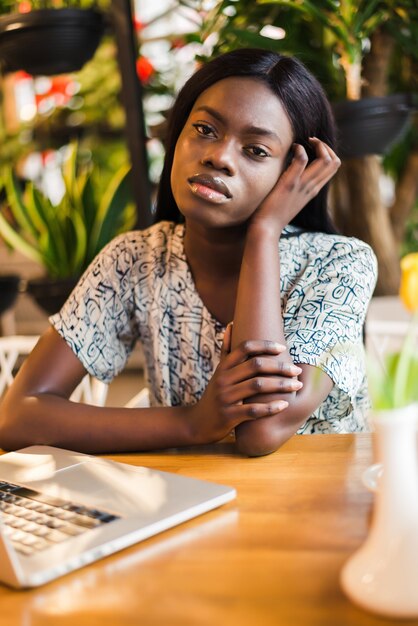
(50, 38)
(66, 237)
(381, 575)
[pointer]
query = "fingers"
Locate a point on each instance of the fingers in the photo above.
(310, 177)
(226, 342)
(261, 365)
(238, 413)
(321, 170)
(326, 157)
(293, 173)
(234, 393)
(250, 348)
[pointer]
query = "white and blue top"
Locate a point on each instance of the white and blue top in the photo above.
(140, 288)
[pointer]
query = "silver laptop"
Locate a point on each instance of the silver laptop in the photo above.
(61, 510)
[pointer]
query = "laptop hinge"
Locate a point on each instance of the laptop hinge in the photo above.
(11, 571)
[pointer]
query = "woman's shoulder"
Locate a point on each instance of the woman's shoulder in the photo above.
(153, 240)
(332, 248)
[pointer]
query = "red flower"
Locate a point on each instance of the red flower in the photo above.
(61, 85)
(24, 7)
(144, 69)
(22, 75)
(138, 25)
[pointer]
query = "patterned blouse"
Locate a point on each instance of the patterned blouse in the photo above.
(140, 287)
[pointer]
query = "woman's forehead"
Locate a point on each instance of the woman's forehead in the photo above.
(245, 101)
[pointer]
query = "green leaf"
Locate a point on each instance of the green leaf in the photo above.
(89, 203)
(17, 206)
(80, 248)
(53, 243)
(34, 208)
(380, 385)
(69, 171)
(17, 242)
(252, 39)
(361, 16)
(404, 365)
(114, 200)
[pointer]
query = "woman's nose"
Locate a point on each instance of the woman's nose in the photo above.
(220, 157)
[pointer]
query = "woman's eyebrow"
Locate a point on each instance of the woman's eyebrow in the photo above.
(248, 130)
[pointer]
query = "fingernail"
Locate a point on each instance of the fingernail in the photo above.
(297, 385)
(279, 405)
(277, 346)
(282, 404)
(295, 370)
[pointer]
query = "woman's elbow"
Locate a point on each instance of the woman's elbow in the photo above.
(11, 428)
(266, 435)
(8, 438)
(258, 438)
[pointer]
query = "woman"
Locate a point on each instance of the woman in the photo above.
(242, 235)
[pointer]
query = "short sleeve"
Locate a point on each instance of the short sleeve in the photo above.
(97, 321)
(325, 313)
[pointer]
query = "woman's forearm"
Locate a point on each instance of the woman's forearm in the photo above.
(258, 309)
(48, 419)
(258, 315)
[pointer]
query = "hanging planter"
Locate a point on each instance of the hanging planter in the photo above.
(9, 289)
(371, 125)
(50, 293)
(49, 41)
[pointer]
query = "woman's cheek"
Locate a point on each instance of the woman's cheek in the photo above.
(270, 184)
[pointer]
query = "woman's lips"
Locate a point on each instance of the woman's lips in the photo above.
(209, 187)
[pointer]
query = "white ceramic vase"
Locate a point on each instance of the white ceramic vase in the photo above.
(382, 576)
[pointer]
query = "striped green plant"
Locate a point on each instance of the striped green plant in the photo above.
(64, 238)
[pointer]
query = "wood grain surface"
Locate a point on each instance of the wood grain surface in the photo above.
(270, 558)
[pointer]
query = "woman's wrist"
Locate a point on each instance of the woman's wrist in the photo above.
(265, 231)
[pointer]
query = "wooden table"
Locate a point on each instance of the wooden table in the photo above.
(272, 557)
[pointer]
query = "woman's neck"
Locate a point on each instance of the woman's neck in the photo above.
(214, 257)
(214, 252)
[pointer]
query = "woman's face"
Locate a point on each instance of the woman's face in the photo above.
(230, 152)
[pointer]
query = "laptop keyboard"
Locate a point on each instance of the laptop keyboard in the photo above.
(34, 521)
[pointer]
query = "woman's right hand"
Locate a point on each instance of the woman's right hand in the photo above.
(251, 369)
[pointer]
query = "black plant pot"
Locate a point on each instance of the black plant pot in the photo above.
(371, 125)
(50, 293)
(49, 41)
(9, 288)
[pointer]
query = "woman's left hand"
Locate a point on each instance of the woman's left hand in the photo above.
(297, 185)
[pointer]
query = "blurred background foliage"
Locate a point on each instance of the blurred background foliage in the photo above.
(336, 39)
(357, 49)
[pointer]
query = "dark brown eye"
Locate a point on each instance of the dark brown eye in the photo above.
(204, 129)
(257, 151)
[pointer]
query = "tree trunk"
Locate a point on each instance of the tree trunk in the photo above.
(356, 199)
(406, 196)
(359, 212)
(376, 65)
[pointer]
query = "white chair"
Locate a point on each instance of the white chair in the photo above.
(90, 390)
(13, 347)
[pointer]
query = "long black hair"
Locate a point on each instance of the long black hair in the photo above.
(302, 97)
